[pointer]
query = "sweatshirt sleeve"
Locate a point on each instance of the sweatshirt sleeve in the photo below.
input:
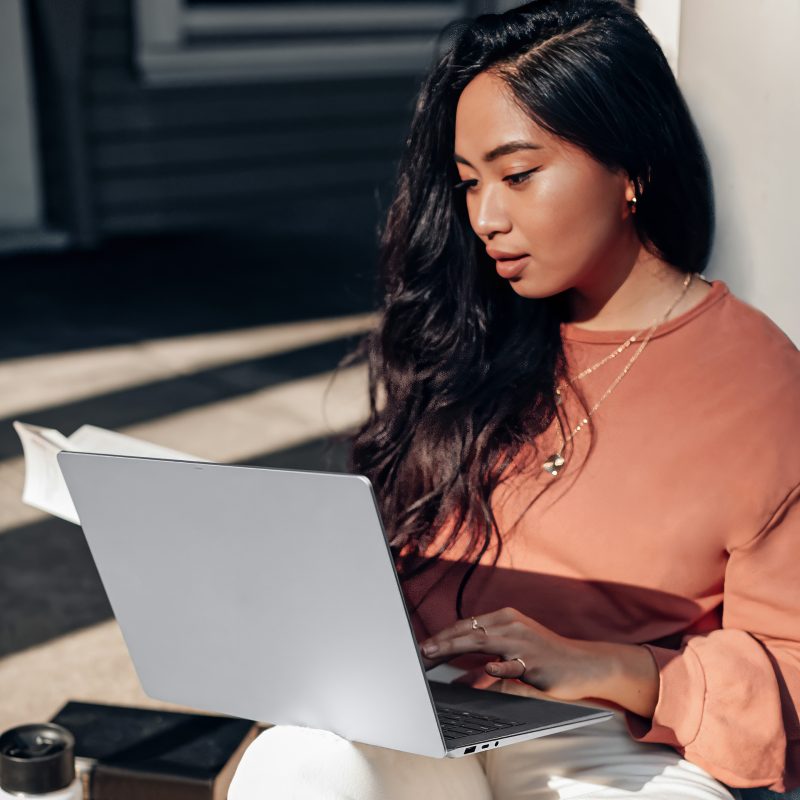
(729, 700)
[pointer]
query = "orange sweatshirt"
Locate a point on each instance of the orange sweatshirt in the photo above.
(675, 523)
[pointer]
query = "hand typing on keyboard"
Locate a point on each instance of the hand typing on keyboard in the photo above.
(551, 666)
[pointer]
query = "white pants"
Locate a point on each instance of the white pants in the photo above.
(596, 761)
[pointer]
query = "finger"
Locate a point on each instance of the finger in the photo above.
(473, 642)
(501, 626)
(430, 663)
(463, 627)
(430, 660)
(493, 619)
(440, 647)
(506, 669)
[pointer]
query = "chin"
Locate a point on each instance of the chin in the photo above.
(532, 290)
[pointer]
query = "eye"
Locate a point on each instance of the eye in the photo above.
(461, 185)
(520, 177)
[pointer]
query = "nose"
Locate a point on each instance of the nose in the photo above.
(490, 215)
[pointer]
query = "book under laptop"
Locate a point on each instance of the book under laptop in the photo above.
(271, 594)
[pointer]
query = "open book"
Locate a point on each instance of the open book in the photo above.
(45, 488)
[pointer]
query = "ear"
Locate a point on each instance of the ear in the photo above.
(634, 188)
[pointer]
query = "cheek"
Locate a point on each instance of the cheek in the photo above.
(568, 216)
(473, 207)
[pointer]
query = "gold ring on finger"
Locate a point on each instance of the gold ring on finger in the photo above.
(477, 626)
(517, 658)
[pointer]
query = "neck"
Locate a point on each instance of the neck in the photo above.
(629, 297)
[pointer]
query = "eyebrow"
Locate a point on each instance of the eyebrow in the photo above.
(501, 150)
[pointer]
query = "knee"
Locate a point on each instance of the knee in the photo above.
(292, 762)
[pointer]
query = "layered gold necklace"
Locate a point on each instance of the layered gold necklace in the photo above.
(556, 461)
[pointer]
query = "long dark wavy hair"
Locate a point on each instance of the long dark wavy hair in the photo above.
(462, 370)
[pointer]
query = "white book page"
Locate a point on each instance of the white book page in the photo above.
(45, 487)
(91, 439)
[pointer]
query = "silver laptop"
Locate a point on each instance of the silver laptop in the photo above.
(271, 594)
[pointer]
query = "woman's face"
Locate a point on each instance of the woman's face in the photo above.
(534, 194)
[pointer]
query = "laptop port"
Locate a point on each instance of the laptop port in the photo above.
(483, 747)
(470, 749)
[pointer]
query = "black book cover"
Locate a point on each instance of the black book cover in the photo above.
(139, 752)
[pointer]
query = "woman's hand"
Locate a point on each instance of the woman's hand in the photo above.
(557, 667)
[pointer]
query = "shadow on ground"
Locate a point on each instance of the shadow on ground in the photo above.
(139, 289)
(142, 288)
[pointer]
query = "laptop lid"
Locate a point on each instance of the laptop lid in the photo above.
(209, 566)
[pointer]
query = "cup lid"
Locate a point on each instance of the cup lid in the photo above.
(36, 758)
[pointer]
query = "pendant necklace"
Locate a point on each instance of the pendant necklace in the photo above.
(556, 461)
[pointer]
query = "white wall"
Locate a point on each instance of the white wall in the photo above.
(738, 66)
(663, 17)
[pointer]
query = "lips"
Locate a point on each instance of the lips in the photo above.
(502, 255)
(508, 265)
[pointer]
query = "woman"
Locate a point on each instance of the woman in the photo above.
(586, 453)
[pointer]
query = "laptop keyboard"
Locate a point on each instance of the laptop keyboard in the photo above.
(456, 722)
